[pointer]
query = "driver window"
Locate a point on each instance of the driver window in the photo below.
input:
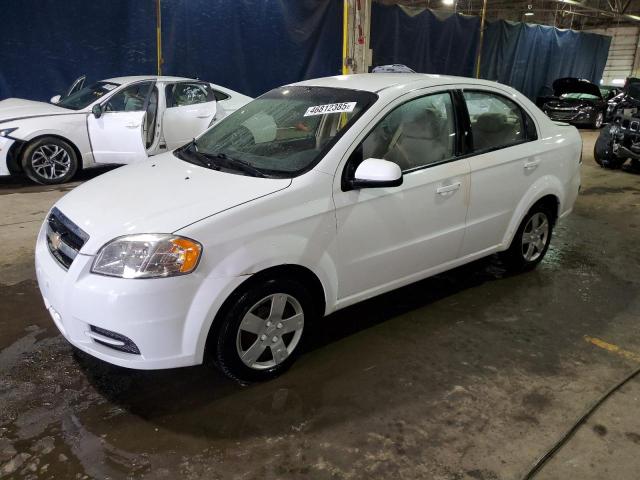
(416, 134)
(182, 94)
(130, 99)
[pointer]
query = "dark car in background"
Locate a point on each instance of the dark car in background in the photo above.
(576, 101)
(621, 140)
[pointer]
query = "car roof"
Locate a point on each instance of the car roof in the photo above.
(376, 82)
(136, 78)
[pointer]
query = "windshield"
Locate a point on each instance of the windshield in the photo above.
(283, 133)
(87, 95)
(581, 96)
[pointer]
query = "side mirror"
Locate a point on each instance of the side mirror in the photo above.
(374, 172)
(55, 99)
(97, 110)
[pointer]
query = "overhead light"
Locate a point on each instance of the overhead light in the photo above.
(448, 2)
(528, 14)
(529, 11)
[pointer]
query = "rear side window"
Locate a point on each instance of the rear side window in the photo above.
(184, 93)
(220, 96)
(496, 121)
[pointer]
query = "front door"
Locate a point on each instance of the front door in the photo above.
(191, 107)
(392, 236)
(119, 134)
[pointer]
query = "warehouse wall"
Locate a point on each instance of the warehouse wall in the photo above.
(623, 58)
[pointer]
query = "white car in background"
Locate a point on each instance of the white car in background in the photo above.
(114, 121)
(311, 198)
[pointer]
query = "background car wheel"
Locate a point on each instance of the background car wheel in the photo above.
(603, 151)
(261, 333)
(531, 241)
(599, 120)
(49, 161)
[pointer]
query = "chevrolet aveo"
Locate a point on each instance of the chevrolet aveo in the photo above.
(313, 197)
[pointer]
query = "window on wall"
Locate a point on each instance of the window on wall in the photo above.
(416, 134)
(181, 94)
(130, 99)
(496, 121)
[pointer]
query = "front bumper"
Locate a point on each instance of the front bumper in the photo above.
(5, 145)
(572, 117)
(167, 319)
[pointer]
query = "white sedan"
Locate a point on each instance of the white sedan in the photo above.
(313, 197)
(118, 120)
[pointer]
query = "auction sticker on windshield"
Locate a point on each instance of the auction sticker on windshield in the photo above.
(330, 108)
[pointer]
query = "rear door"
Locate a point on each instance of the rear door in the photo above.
(505, 162)
(191, 107)
(118, 135)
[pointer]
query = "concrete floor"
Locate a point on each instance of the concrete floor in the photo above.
(470, 375)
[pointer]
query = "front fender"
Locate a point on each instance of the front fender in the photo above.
(546, 185)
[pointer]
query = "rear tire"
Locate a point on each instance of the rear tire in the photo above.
(531, 241)
(49, 161)
(261, 333)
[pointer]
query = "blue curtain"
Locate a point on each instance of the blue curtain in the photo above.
(428, 42)
(252, 45)
(530, 57)
(46, 44)
(247, 45)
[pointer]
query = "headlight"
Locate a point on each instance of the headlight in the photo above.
(147, 256)
(4, 132)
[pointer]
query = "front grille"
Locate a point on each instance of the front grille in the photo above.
(128, 347)
(64, 238)
(562, 115)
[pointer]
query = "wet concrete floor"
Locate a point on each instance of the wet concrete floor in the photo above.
(470, 375)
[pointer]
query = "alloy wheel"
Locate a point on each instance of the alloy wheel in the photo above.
(599, 119)
(51, 161)
(270, 331)
(534, 236)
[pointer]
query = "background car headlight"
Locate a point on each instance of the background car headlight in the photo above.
(147, 256)
(4, 132)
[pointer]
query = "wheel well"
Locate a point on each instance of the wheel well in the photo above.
(25, 144)
(289, 271)
(552, 204)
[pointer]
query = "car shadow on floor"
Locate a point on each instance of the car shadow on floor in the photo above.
(226, 405)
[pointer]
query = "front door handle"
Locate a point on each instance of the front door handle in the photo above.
(532, 165)
(132, 125)
(448, 189)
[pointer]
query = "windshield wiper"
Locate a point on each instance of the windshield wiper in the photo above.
(234, 162)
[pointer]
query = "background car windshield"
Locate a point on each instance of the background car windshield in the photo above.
(580, 96)
(287, 130)
(87, 95)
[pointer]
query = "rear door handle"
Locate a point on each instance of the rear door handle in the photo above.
(448, 189)
(532, 165)
(204, 115)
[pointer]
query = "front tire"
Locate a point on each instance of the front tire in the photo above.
(261, 334)
(49, 161)
(531, 241)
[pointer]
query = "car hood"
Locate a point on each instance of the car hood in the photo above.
(575, 85)
(160, 195)
(17, 109)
